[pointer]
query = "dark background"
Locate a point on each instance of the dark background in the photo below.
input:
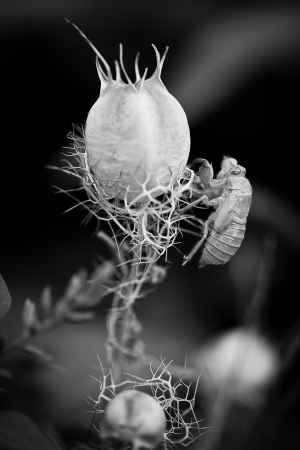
(234, 67)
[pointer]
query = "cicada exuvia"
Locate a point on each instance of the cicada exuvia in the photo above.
(230, 193)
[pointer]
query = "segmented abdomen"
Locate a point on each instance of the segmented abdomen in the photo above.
(221, 246)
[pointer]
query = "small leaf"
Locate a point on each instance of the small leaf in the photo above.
(5, 299)
(94, 288)
(102, 273)
(46, 301)
(76, 283)
(19, 432)
(29, 317)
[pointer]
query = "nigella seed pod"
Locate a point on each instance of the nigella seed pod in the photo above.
(135, 133)
(133, 417)
(241, 362)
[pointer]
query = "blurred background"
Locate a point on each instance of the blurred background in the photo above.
(234, 67)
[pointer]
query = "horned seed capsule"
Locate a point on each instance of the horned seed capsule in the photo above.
(137, 136)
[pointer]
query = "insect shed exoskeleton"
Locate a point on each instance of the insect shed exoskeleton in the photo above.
(225, 228)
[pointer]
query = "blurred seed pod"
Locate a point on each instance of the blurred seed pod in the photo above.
(240, 362)
(135, 418)
(158, 274)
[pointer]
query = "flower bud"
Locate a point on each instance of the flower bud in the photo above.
(133, 417)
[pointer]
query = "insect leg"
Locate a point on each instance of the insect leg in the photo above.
(214, 203)
(204, 199)
(187, 258)
(186, 208)
(205, 171)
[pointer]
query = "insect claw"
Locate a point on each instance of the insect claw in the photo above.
(204, 199)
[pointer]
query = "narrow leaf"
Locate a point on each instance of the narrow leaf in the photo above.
(76, 283)
(29, 317)
(5, 299)
(37, 352)
(94, 288)
(46, 301)
(79, 316)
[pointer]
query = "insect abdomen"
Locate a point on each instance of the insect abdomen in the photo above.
(222, 245)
